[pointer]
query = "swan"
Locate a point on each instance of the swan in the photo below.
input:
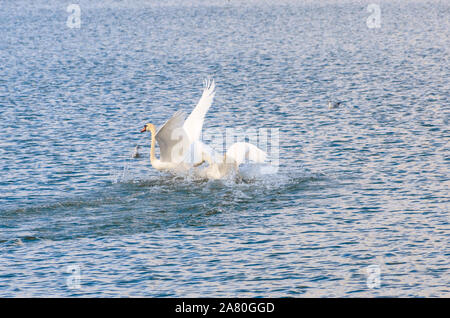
(221, 167)
(178, 137)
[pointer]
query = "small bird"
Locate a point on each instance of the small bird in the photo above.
(334, 105)
(136, 153)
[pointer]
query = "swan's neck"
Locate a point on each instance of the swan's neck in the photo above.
(154, 161)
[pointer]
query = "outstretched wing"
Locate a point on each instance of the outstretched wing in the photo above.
(172, 138)
(194, 123)
(240, 152)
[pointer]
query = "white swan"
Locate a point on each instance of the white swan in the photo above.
(176, 135)
(221, 167)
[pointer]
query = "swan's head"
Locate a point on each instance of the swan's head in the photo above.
(148, 127)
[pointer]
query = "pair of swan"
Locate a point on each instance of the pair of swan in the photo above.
(181, 148)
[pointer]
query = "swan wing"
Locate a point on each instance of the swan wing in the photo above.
(194, 123)
(170, 135)
(239, 152)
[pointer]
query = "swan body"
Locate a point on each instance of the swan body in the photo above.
(163, 164)
(238, 153)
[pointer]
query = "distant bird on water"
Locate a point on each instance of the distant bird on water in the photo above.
(136, 152)
(334, 105)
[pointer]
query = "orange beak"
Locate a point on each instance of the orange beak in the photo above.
(143, 129)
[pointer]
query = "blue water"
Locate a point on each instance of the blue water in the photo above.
(364, 184)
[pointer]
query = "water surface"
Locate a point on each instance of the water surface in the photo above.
(365, 184)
